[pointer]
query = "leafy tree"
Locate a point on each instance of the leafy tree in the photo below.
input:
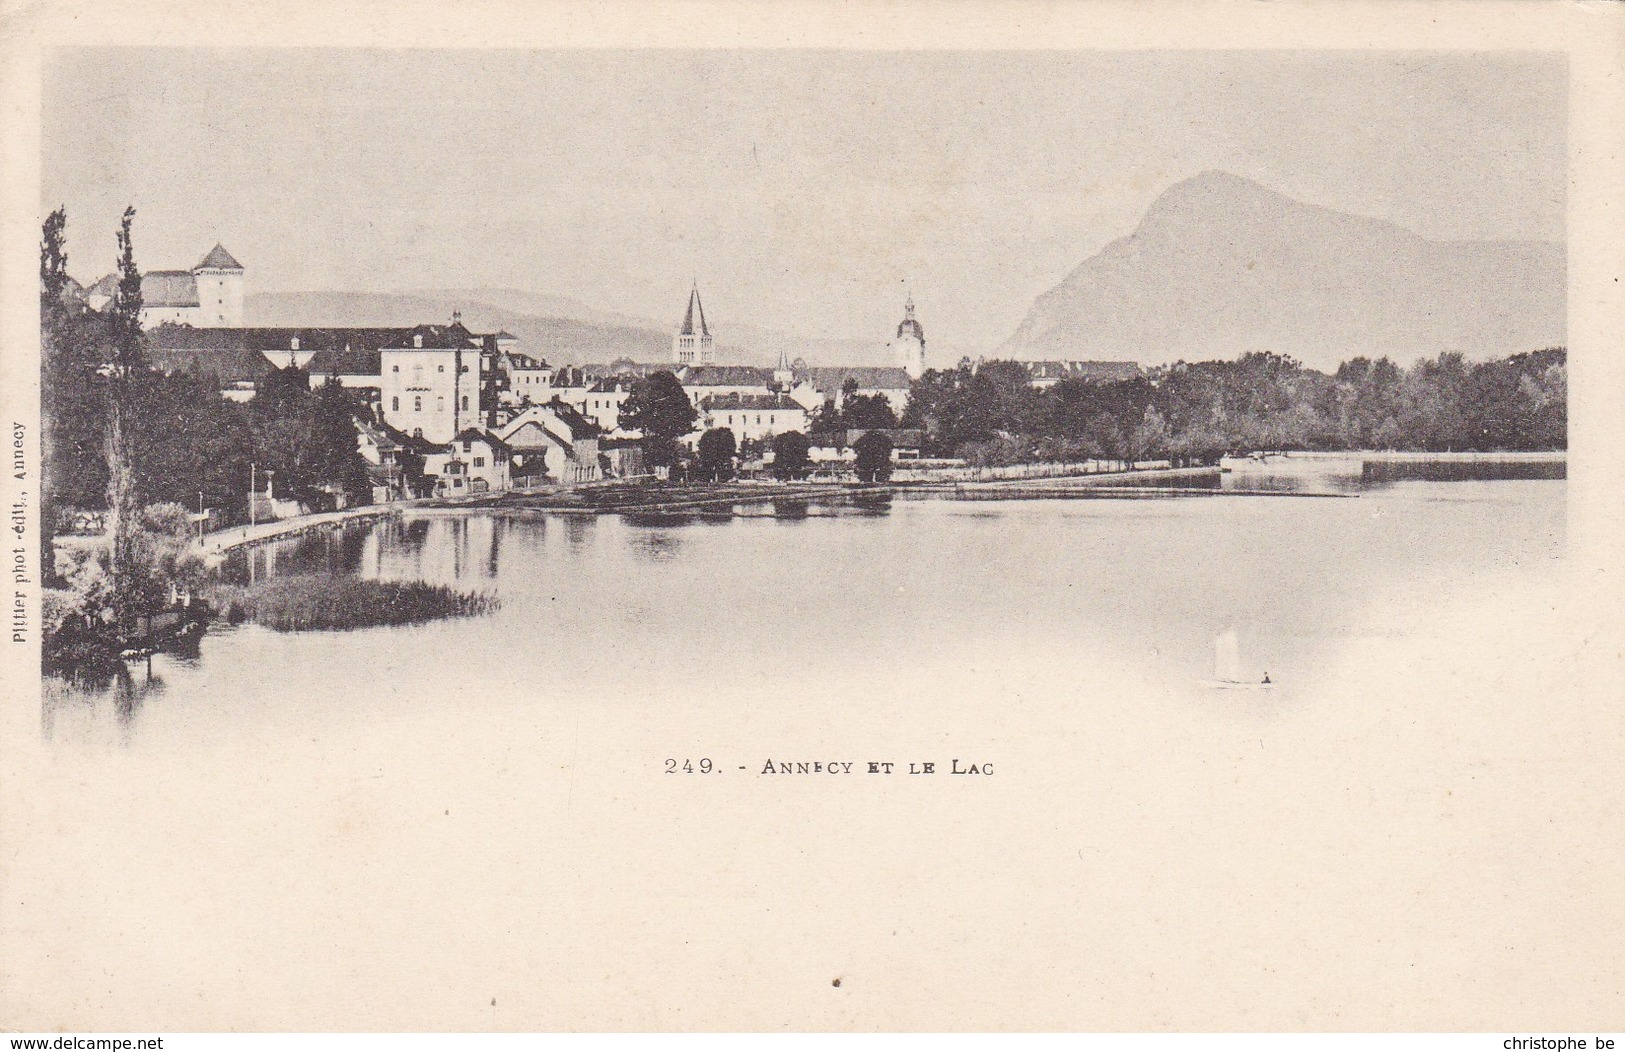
(716, 451)
(659, 408)
(863, 412)
(826, 418)
(790, 455)
(873, 463)
(190, 441)
(1149, 439)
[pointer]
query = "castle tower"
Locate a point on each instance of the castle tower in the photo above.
(693, 345)
(219, 281)
(784, 373)
(908, 349)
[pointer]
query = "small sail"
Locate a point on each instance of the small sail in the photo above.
(1227, 656)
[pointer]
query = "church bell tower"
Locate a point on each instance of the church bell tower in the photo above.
(693, 344)
(908, 349)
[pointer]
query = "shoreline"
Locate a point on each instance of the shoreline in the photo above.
(609, 498)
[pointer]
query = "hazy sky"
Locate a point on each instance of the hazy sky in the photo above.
(805, 190)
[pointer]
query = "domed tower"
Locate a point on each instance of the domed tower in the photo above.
(692, 345)
(908, 349)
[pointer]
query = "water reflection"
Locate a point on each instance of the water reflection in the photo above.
(97, 711)
(578, 529)
(659, 545)
(1376, 472)
(1316, 474)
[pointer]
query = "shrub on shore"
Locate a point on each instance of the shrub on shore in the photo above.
(317, 603)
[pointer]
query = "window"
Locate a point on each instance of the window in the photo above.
(417, 403)
(394, 368)
(467, 445)
(442, 368)
(395, 404)
(440, 404)
(465, 403)
(479, 462)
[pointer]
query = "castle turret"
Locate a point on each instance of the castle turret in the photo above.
(693, 345)
(219, 280)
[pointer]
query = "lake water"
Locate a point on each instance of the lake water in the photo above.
(397, 827)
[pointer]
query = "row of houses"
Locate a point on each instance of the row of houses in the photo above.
(435, 380)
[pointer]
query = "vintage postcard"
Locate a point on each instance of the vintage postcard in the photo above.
(882, 517)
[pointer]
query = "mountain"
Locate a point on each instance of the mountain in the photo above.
(1220, 266)
(557, 328)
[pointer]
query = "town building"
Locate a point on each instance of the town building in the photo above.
(472, 462)
(718, 381)
(752, 416)
(816, 385)
(835, 447)
(563, 440)
(528, 379)
(387, 452)
(430, 381)
(601, 402)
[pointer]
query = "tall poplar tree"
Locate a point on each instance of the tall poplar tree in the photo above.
(53, 325)
(124, 317)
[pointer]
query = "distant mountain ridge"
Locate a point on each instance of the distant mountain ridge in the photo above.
(1221, 265)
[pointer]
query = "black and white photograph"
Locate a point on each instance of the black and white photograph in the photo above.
(904, 535)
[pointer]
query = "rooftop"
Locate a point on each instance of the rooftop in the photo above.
(869, 377)
(218, 259)
(727, 376)
(738, 401)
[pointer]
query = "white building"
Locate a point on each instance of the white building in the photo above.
(753, 416)
(721, 381)
(473, 462)
(565, 442)
(819, 384)
(602, 401)
(429, 382)
(529, 379)
(693, 344)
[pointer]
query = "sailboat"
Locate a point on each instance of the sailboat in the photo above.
(1227, 665)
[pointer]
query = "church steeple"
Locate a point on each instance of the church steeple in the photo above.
(693, 345)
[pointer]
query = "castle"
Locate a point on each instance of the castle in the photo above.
(209, 296)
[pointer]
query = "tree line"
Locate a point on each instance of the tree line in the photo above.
(1196, 412)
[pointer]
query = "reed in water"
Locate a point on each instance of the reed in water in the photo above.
(318, 603)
